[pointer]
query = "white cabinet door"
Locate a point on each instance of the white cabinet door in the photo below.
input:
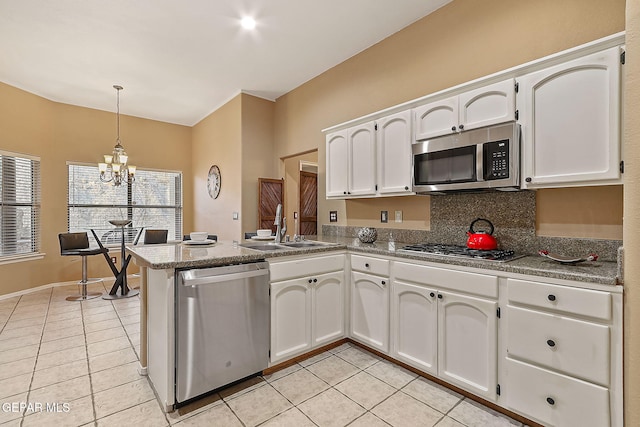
(394, 153)
(327, 323)
(570, 116)
(337, 164)
(290, 318)
(414, 326)
(362, 160)
(370, 310)
(488, 105)
(436, 118)
(467, 343)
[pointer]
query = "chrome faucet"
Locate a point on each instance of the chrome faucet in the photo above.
(280, 223)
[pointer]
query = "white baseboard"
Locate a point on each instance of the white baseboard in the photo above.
(55, 285)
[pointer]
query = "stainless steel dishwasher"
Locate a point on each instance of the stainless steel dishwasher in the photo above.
(222, 327)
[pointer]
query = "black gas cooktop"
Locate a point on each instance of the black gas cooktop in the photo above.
(461, 252)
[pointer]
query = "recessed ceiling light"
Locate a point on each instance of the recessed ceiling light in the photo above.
(248, 23)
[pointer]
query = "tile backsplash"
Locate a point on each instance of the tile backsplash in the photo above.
(513, 215)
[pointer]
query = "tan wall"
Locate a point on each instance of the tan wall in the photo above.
(632, 217)
(58, 133)
(366, 212)
(258, 155)
(568, 212)
(460, 42)
(217, 141)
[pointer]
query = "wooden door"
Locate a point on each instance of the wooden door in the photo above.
(308, 204)
(270, 193)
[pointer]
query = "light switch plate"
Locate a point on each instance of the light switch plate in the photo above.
(398, 216)
(235, 216)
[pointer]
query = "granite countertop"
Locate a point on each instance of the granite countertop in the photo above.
(179, 255)
(604, 273)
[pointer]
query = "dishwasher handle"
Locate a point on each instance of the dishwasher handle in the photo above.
(208, 280)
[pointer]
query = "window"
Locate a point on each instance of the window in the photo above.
(153, 200)
(19, 205)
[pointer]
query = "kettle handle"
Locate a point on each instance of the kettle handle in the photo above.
(481, 219)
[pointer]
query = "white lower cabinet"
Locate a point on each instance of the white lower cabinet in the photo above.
(290, 318)
(414, 326)
(446, 334)
(551, 352)
(555, 399)
(307, 311)
(468, 343)
(562, 361)
(370, 310)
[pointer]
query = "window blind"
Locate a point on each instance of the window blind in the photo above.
(153, 200)
(19, 204)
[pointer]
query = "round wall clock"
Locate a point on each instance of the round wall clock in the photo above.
(214, 182)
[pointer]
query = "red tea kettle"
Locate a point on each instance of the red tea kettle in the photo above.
(481, 240)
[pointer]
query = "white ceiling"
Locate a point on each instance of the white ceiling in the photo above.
(180, 60)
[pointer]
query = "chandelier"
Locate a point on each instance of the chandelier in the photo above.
(115, 168)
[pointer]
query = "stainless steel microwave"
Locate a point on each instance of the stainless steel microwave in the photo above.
(479, 159)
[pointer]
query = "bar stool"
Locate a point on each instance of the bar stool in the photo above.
(77, 244)
(154, 237)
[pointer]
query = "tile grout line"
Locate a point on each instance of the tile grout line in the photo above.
(35, 363)
(86, 349)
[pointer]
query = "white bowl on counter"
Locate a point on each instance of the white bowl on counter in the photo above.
(265, 232)
(198, 236)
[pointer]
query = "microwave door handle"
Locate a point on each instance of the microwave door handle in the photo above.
(479, 163)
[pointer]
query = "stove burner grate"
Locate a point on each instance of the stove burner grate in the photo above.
(461, 251)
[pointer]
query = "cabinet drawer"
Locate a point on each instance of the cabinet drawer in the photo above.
(575, 347)
(585, 302)
(554, 399)
(473, 283)
(305, 267)
(370, 265)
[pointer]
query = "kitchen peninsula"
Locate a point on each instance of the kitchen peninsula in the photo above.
(520, 291)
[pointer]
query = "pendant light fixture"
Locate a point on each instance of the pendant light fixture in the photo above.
(115, 168)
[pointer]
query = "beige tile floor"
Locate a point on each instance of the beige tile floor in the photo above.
(72, 364)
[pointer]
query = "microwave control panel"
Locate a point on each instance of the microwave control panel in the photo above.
(496, 160)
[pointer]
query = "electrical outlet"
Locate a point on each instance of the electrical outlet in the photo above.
(295, 215)
(114, 259)
(398, 216)
(384, 216)
(333, 216)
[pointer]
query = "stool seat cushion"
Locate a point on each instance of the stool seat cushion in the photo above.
(84, 252)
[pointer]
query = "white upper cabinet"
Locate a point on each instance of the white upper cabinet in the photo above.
(570, 117)
(371, 159)
(476, 108)
(488, 105)
(393, 137)
(436, 118)
(351, 162)
(337, 164)
(362, 160)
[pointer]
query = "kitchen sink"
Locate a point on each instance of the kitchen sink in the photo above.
(263, 247)
(304, 244)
